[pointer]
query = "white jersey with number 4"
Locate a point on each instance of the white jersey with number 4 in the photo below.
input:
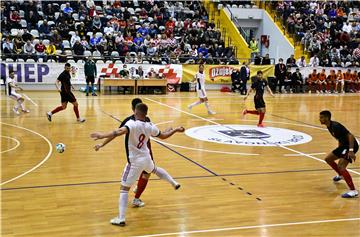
(139, 133)
(200, 84)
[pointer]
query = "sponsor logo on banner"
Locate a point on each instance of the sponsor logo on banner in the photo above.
(172, 72)
(220, 71)
(221, 74)
(248, 135)
(26, 72)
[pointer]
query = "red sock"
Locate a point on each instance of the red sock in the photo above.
(335, 167)
(252, 112)
(141, 185)
(76, 110)
(348, 179)
(57, 109)
(261, 117)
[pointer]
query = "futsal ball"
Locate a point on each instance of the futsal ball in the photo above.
(60, 147)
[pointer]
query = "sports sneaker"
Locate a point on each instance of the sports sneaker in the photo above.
(210, 112)
(177, 186)
(81, 120)
(138, 203)
(350, 194)
(260, 125)
(94, 94)
(117, 221)
(25, 111)
(48, 114)
(16, 111)
(337, 178)
(189, 108)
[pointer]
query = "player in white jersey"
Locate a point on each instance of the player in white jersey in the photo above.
(138, 133)
(200, 88)
(11, 92)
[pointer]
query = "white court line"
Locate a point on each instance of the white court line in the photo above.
(183, 233)
(311, 154)
(13, 148)
(38, 165)
(281, 146)
(214, 119)
(164, 122)
(29, 99)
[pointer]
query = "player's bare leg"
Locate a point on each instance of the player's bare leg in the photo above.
(76, 111)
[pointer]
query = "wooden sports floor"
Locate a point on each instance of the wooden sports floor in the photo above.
(227, 189)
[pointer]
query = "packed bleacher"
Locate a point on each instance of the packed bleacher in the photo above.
(328, 29)
(156, 32)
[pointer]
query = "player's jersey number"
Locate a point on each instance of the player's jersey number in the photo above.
(141, 141)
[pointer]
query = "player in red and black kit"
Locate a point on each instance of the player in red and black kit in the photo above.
(144, 177)
(346, 150)
(259, 86)
(66, 94)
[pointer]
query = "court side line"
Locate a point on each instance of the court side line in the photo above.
(281, 146)
(251, 227)
(39, 164)
(13, 148)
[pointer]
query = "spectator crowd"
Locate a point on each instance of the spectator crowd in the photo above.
(158, 32)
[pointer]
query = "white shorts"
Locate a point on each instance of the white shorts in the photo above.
(201, 93)
(15, 96)
(133, 170)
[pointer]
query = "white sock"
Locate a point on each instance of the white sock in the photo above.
(162, 174)
(16, 106)
(195, 104)
(207, 106)
(123, 200)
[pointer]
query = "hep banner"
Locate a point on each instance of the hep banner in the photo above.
(47, 73)
(221, 74)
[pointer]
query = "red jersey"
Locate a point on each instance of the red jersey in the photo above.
(322, 76)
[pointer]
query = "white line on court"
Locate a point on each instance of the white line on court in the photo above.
(38, 165)
(13, 148)
(311, 154)
(284, 147)
(29, 99)
(182, 233)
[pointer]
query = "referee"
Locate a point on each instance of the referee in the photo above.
(90, 74)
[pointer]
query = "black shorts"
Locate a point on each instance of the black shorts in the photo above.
(259, 102)
(67, 97)
(342, 151)
(90, 79)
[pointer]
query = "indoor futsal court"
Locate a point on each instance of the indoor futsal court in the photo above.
(277, 186)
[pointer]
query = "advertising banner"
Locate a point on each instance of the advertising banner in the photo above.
(47, 73)
(221, 74)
